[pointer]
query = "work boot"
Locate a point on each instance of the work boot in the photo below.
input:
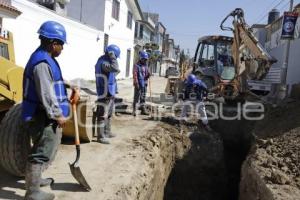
(107, 129)
(46, 182)
(144, 111)
(33, 182)
(101, 137)
(134, 113)
(134, 110)
(103, 141)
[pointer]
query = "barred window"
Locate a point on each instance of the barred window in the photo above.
(116, 9)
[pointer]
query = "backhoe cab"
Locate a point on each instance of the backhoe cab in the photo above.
(225, 64)
(213, 62)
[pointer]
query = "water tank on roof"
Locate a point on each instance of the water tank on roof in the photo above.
(273, 15)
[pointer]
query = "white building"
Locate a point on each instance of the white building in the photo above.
(86, 40)
(79, 55)
(270, 37)
(116, 18)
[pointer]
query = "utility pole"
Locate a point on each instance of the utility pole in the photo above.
(80, 11)
(283, 86)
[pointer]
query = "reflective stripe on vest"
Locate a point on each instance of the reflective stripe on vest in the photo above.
(30, 98)
(106, 84)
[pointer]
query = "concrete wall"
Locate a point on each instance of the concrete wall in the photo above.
(79, 55)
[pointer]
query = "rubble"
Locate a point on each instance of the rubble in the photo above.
(273, 164)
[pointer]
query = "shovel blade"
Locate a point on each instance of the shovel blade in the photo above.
(77, 174)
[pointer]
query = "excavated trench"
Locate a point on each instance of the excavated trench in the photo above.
(211, 168)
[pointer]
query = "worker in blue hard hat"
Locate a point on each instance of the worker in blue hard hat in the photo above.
(45, 106)
(195, 91)
(106, 70)
(141, 75)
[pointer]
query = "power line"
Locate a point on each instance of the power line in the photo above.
(284, 6)
(266, 10)
(278, 4)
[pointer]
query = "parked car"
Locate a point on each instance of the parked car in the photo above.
(171, 71)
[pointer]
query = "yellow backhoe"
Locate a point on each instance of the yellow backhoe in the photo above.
(225, 64)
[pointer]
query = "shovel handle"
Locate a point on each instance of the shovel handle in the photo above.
(77, 141)
(150, 91)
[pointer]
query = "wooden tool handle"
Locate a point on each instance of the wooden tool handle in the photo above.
(77, 141)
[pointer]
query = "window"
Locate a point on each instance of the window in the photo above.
(4, 51)
(129, 19)
(141, 31)
(136, 29)
(128, 62)
(116, 9)
(224, 54)
(106, 37)
(50, 4)
(207, 58)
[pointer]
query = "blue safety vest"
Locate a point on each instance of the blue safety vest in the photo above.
(30, 98)
(195, 91)
(106, 83)
(141, 74)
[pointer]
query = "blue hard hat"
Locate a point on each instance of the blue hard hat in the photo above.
(53, 30)
(113, 48)
(144, 54)
(191, 79)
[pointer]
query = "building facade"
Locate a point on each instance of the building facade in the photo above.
(80, 53)
(270, 37)
(116, 18)
(170, 54)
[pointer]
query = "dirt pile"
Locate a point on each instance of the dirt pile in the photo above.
(278, 121)
(272, 169)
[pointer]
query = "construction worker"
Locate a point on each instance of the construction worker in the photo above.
(195, 92)
(141, 75)
(106, 70)
(45, 106)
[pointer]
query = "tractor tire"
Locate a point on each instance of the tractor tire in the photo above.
(14, 143)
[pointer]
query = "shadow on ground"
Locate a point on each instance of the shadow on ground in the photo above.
(8, 181)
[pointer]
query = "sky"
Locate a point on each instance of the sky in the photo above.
(187, 20)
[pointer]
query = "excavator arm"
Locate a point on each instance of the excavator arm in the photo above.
(252, 61)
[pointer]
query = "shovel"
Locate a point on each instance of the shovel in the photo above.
(75, 170)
